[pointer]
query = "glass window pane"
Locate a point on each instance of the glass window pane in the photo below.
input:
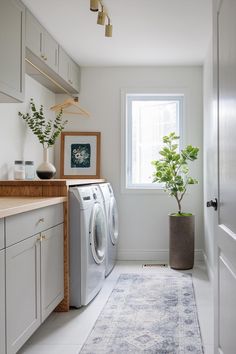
(149, 119)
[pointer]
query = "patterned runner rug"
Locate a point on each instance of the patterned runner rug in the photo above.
(148, 313)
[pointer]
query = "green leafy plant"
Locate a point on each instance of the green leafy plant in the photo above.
(172, 168)
(46, 131)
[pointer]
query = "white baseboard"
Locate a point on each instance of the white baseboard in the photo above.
(210, 271)
(160, 255)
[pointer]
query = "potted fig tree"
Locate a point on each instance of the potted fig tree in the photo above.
(173, 172)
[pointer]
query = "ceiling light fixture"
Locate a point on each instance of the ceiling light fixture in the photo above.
(108, 29)
(101, 17)
(94, 5)
(97, 5)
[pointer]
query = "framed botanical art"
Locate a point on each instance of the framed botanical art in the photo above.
(80, 154)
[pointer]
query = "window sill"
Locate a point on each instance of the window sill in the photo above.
(143, 190)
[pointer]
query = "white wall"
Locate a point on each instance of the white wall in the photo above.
(16, 141)
(210, 158)
(143, 217)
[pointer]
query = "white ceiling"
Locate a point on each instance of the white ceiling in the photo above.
(145, 32)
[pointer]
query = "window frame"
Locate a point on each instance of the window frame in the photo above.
(127, 96)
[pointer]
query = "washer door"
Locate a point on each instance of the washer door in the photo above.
(98, 234)
(113, 221)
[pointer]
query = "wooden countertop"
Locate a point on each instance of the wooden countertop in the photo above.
(16, 205)
(51, 182)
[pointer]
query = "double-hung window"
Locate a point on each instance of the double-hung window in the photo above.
(148, 117)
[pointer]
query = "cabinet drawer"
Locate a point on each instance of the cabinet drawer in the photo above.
(24, 225)
(1, 234)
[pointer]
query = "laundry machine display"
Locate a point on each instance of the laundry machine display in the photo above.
(112, 225)
(87, 244)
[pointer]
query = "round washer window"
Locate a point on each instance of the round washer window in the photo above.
(98, 233)
(113, 221)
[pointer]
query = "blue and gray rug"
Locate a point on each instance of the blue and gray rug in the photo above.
(148, 313)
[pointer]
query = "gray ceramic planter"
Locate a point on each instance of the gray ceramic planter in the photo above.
(181, 232)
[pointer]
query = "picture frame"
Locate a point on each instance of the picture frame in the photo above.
(80, 155)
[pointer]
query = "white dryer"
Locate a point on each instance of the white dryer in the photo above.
(87, 243)
(112, 225)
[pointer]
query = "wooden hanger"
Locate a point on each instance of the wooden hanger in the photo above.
(71, 102)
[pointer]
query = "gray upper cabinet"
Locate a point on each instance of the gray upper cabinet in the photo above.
(12, 57)
(2, 302)
(40, 42)
(52, 66)
(69, 70)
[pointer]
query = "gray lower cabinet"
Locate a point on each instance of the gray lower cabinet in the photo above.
(2, 240)
(52, 265)
(2, 302)
(34, 272)
(12, 44)
(22, 292)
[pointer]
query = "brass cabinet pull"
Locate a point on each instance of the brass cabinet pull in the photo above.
(41, 238)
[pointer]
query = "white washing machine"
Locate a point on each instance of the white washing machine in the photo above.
(87, 244)
(112, 225)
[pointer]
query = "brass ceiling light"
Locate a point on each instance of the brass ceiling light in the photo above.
(94, 5)
(102, 15)
(108, 29)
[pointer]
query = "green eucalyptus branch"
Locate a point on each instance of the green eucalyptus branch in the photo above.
(46, 131)
(172, 168)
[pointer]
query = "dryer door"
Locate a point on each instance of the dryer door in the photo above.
(113, 221)
(98, 233)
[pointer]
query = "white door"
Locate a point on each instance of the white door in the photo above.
(225, 293)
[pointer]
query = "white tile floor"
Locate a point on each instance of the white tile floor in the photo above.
(65, 333)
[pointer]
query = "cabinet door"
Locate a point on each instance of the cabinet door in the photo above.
(74, 72)
(34, 35)
(2, 302)
(12, 44)
(50, 51)
(64, 64)
(52, 269)
(2, 238)
(22, 292)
